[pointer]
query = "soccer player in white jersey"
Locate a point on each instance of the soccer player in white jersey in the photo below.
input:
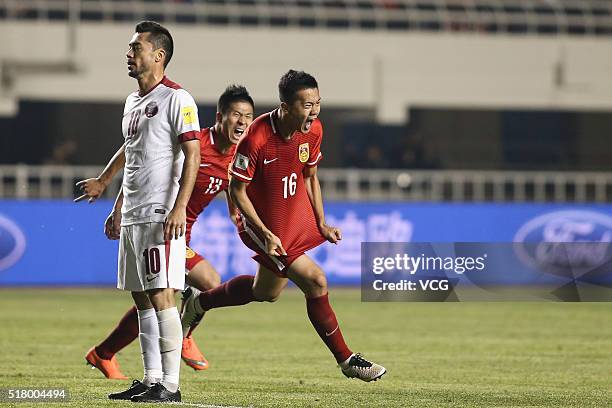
(160, 158)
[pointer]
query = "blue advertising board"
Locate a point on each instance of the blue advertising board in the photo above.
(61, 243)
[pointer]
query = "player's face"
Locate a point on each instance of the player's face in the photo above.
(305, 109)
(141, 56)
(235, 121)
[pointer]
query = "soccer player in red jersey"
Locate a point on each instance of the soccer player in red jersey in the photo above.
(217, 147)
(274, 184)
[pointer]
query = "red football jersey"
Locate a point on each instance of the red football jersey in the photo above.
(212, 176)
(273, 168)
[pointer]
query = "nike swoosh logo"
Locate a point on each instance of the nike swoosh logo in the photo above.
(269, 161)
(333, 331)
(205, 165)
(196, 362)
(152, 279)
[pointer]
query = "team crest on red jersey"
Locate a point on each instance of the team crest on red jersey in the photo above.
(151, 109)
(304, 152)
(189, 253)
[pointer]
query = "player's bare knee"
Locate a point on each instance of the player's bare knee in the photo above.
(161, 299)
(316, 285)
(273, 297)
(141, 300)
(265, 296)
(214, 281)
(269, 298)
(318, 281)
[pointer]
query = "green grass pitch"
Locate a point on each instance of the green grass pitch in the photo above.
(268, 355)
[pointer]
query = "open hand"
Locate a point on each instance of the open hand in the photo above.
(91, 188)
(175, 224)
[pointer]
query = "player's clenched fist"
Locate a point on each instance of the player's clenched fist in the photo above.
(175, 224)
(274, 245)
(332, 234)
(91, 188)
(112, 225)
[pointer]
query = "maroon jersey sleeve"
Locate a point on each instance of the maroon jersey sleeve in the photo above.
(315, 155)
(245, 160)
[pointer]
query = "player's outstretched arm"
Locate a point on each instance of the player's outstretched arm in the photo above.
(176, 220)
(94, 187)
(313, 188)
(238, 194)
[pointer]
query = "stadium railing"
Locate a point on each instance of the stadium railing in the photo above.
(528, 17)
(58, 182)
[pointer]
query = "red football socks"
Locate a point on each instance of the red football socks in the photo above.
(125, 333)
(324, 321)
(236, 291)
(239, 291)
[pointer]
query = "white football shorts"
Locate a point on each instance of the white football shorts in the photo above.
(148, 262)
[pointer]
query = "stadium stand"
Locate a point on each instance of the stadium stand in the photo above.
(491, 18)
(485, 17)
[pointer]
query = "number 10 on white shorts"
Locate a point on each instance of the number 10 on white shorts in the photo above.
(148, 262)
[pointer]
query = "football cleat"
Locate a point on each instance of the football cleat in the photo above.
(192, 356)
(110, 368)
(190, 318)
(136, 388)
(358, 367)
(157, 393)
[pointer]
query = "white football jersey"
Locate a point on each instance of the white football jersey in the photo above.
(154, 126)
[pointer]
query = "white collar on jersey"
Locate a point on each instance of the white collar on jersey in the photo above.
(211, 133)
(272, 119)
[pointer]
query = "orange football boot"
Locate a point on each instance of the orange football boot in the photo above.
(192, 356)
(110, 368)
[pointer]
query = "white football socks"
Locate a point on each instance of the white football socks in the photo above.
(149, 346)
(170, 343)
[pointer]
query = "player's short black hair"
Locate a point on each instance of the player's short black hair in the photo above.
(293, 82)
(233, 93)
(160, 37)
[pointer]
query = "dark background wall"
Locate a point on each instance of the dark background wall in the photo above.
(89, 133)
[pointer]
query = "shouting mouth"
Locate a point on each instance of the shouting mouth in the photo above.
(308, 124)
(238, 132)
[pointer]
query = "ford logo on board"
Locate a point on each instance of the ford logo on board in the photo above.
(567, 243)
(12, 243)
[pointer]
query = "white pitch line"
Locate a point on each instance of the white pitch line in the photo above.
(191, 404)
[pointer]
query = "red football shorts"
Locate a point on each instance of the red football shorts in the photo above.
(277, 264)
